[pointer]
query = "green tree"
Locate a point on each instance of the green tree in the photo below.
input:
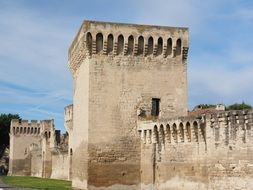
(5, 122)
(237, 106)
(204, 106)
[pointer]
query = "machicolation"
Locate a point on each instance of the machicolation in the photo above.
(129, 127)
(167, 42)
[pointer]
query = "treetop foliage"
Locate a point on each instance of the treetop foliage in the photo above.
(237, 106)
(5, 122)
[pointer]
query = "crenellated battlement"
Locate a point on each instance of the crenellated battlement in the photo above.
(231, 127)
(221, 141)
(236, 116)
(131, 40)
(180, 130)
(221, 127)
(26, 127)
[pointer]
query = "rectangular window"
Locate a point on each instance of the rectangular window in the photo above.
(155, 106)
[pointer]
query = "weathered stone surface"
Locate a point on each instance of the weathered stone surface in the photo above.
(36, 150)
(128, 127)
(110, 85)
(208, 152)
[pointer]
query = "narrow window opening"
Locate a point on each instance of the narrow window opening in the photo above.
(179, 47)
(89, 42)
(130, 47)
(168, 133)
(155, 106)
(99, 42)
(140, 45)
(181, 129)
(195, 129)
(109, 44)
(162, 134)
(159, 47)
(175, 132)
(156, 137)
(169, 47)
(120, 44)
(150, 46)
(188, 129)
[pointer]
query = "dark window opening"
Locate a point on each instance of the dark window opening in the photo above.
(179, 47)
(140, 45)
(155, 106)
(159, 46)
(120, 44)
(130, 45)
(109, 44)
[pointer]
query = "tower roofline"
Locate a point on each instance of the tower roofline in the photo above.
(87, 23)
(131, 24)
(108, 39)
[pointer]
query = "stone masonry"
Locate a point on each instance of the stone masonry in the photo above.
(117, 70)
(128, 127)
(211, 151)
(37, 149)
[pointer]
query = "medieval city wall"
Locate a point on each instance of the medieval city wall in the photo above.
(60, 165)
(118, 69)
(128, 125)
(210, 152)
(36, 150)
(36, 162)
(22, 134)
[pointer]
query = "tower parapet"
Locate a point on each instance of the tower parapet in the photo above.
(222, 127)
(221, 142)
(117, 40)
(22, 134)
(25, 127)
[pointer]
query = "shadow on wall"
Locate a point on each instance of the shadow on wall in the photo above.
(3, 170)
(160, 47)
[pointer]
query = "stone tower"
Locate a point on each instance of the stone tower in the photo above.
(122, 73)
(24, 136)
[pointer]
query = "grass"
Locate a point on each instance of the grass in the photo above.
(36, 183)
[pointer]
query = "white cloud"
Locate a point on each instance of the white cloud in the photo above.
(33, 47)
(220, 56)
(34, 77)
(33, 51)
(211, 81)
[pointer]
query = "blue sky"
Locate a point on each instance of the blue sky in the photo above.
(35, 35)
